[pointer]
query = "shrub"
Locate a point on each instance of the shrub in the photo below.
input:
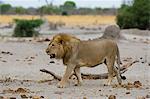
(64, 13)
(125, 18)
(135, 16)
(26, 28)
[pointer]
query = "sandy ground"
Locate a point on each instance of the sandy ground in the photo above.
(20, 69)
(71, 20)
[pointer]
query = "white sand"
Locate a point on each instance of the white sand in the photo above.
(17, 66)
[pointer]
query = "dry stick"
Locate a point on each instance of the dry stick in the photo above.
(123, 69)
(57, 77)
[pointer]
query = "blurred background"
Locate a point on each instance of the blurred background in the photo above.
(74, 16)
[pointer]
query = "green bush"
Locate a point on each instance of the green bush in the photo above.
(125, 18)
(26, 28)
(135, 16)
(4, 8)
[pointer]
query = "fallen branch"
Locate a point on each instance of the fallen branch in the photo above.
(129, 64)
(57, 77)
(123, 69)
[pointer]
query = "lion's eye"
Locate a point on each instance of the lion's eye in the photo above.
(52, 44)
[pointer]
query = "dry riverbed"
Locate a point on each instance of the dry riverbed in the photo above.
(20, 62)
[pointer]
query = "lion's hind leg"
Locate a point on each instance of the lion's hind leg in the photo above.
(118, 75)
(110, 67)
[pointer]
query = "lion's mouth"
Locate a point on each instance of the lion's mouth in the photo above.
(52, 55)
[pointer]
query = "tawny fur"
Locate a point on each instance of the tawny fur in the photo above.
(76, 53)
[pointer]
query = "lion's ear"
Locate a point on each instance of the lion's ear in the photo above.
(62, 42)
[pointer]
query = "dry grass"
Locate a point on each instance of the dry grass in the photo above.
(68, 20)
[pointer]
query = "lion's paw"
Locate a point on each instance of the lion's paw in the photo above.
(61, 85)
(78, 84)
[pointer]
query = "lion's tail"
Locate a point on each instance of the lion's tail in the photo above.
(118, 63)
(118, 57)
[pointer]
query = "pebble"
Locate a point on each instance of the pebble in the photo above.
(35, 97)
(112, 97)
(29, 60)
(3, 52)
(137, 84)
(142, 62)
(147, 88)
(51, 62)
(46, 39)
(4, 61)
(21, 90)
(23, 96)
(1, 97)
(12, 98)
(58, 92)
(127, 92)
(141, 57)
(32, 57)
(110, 90)
(140, 97)
(147, 96)
(134, 38)
(84, 97)
(17, 60)
(42, 97)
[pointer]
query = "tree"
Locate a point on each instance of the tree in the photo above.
(49, 10)
(69, 5)
(20, 10)
(5, 8)
(135, 16)
(141, 10)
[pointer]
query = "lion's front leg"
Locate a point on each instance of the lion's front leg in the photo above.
(78, 74)
(66, 76)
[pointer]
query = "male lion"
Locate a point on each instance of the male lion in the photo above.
(76, 53)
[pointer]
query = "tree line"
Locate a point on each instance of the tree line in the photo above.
(68, 8)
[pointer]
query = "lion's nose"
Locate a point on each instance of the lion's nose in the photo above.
(47, 51)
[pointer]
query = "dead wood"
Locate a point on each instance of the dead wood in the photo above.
(123, 69)
(57, 77)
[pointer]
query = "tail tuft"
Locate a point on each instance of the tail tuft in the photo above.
(123, 77)
(121, 63)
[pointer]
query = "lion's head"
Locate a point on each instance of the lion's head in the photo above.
(59, 45)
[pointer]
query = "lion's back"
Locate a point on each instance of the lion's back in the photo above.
(92, 45)
(95, 51)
